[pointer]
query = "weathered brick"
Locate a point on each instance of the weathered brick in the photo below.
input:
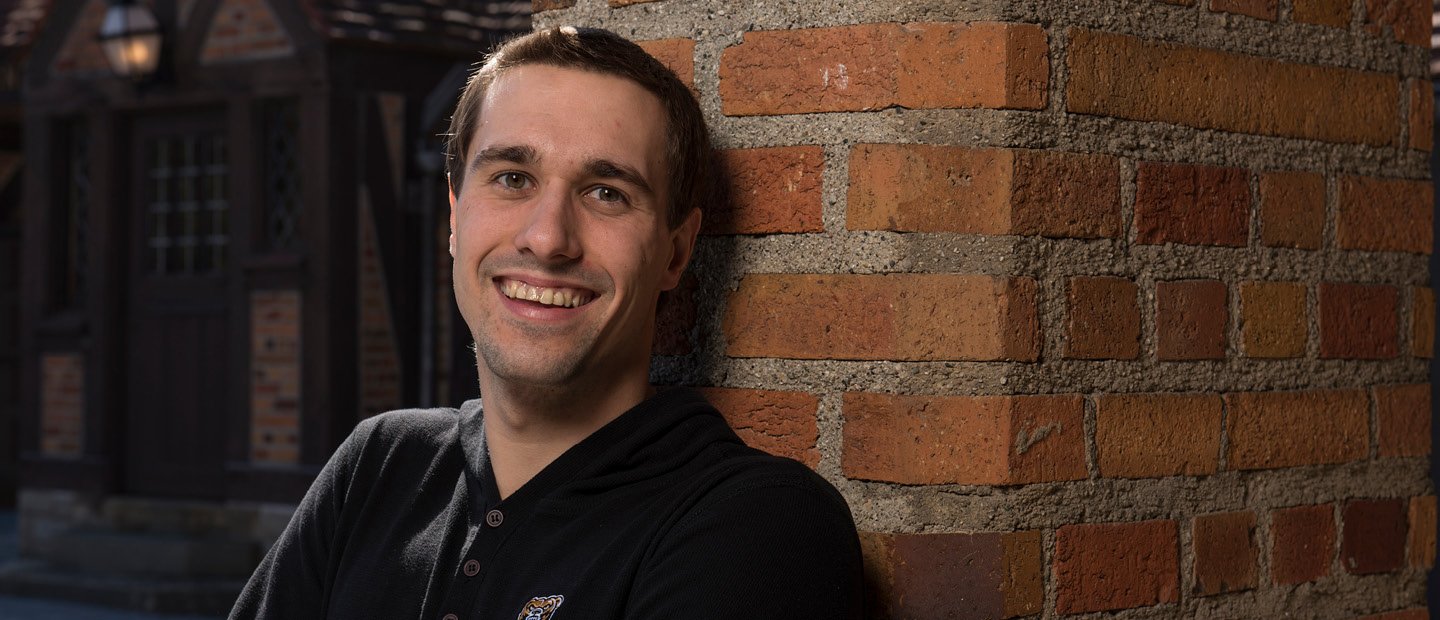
(1422, 323)
(1359, 321)
(1267, 430)
(1406, 20)
(1138, 79)
(982, 575)
(1106, 566)
(675, 319)
(773, 190)
(1272, 319)
(882, 317)
(1190, 318)
(1385, 215)
(781, 423)
(1403, 416)
(1303, 543)
(1268, 10)
(1195, 205)
(540, 6)
(1422, 115)
(1292, 209)
(914, 187)
(963, 439)
(1373, 536)
(1103, 318)
(1333, 13)
(1225, 553)
(677, 54)
(873, 66)
(1154, 435)
(1420, 548)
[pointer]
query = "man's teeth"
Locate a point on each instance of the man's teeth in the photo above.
(563, 297)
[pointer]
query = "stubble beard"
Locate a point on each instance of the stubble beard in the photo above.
(538, 367)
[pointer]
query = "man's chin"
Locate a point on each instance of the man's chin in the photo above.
(535, 370)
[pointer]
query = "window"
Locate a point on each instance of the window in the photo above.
(280, 120)
(70, 216)
(187, 205)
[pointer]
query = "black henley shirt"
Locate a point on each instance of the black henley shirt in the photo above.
(662, 513)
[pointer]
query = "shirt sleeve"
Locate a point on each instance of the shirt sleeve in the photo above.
(293, 580)
(771, 552)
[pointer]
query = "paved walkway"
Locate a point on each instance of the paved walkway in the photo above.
(19, 608)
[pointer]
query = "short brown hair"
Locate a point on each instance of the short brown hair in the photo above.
(691, 160)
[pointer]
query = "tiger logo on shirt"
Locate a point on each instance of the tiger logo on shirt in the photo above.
(541, 608)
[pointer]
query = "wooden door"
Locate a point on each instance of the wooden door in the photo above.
(180, 267)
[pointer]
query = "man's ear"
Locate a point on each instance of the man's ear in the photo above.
(452, 216)
(682, 248)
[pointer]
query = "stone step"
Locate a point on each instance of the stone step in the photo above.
(164, 595)
(150, 554)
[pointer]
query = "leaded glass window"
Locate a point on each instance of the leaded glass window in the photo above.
(280, 119)
(188, 209)
(71, 216)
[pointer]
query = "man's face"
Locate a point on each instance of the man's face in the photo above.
(559, 235)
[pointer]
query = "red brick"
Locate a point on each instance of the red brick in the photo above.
(1292, 210)
(1303, 543)
(963, 439)
(1385, 215)
(1422, 323)
(1406, 20)
(1359, 321)
(1268, 10)
(1403, 417)
(773, 190)
(1106, 566)
(914, 187)
(677, 54)
(1190, 318)
(1145, 80)
(874, 66)
(1373, 538)
(1225, 553)
(1420, 549)
(882, 317)
(1155, 435)
(1333, 13)
(675, 319)
(1196, 205)
(1419, 613)
(1422, 115)
(1288, 429)
(1103, 318)
(1273, 319)
(781, 423)
(984, 575)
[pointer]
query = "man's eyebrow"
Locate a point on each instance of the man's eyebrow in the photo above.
(607, 169)
(520, 154)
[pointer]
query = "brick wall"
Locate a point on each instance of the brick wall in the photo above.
(1084, 306)
(275, 376)
(62, 404)
(244, 30)
(379, 358)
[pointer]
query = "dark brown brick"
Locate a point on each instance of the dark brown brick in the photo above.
(1373, 538)
(1225, 553)
(1303, 543)
(1104, 566)
(1103, 318)
(1359, 321)
(1190, 204)
(1190, 319)
(983, 575)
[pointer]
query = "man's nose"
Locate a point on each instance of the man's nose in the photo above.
(549, 231)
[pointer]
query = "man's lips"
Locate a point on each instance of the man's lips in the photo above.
(555, 296)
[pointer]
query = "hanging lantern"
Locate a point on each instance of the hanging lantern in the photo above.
(131, 39)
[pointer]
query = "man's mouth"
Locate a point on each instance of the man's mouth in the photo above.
(549, 296)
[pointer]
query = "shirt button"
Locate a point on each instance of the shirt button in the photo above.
(450, 617)
(494, 518)
(472, 568)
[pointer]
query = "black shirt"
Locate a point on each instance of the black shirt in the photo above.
(662, 513)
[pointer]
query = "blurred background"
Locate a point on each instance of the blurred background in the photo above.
(235, 250)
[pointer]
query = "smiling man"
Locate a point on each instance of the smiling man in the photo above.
(578, 170)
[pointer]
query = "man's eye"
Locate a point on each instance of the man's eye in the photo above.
(512, 180)
(607, 194)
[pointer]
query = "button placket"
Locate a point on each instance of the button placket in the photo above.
(494, 518)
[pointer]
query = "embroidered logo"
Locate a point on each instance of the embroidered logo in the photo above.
(541, 608)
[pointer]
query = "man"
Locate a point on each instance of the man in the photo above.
(577, 168)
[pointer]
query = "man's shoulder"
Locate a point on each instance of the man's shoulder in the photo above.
(432, 427)
(750, 476)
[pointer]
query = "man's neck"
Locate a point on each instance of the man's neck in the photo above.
(527, 427)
